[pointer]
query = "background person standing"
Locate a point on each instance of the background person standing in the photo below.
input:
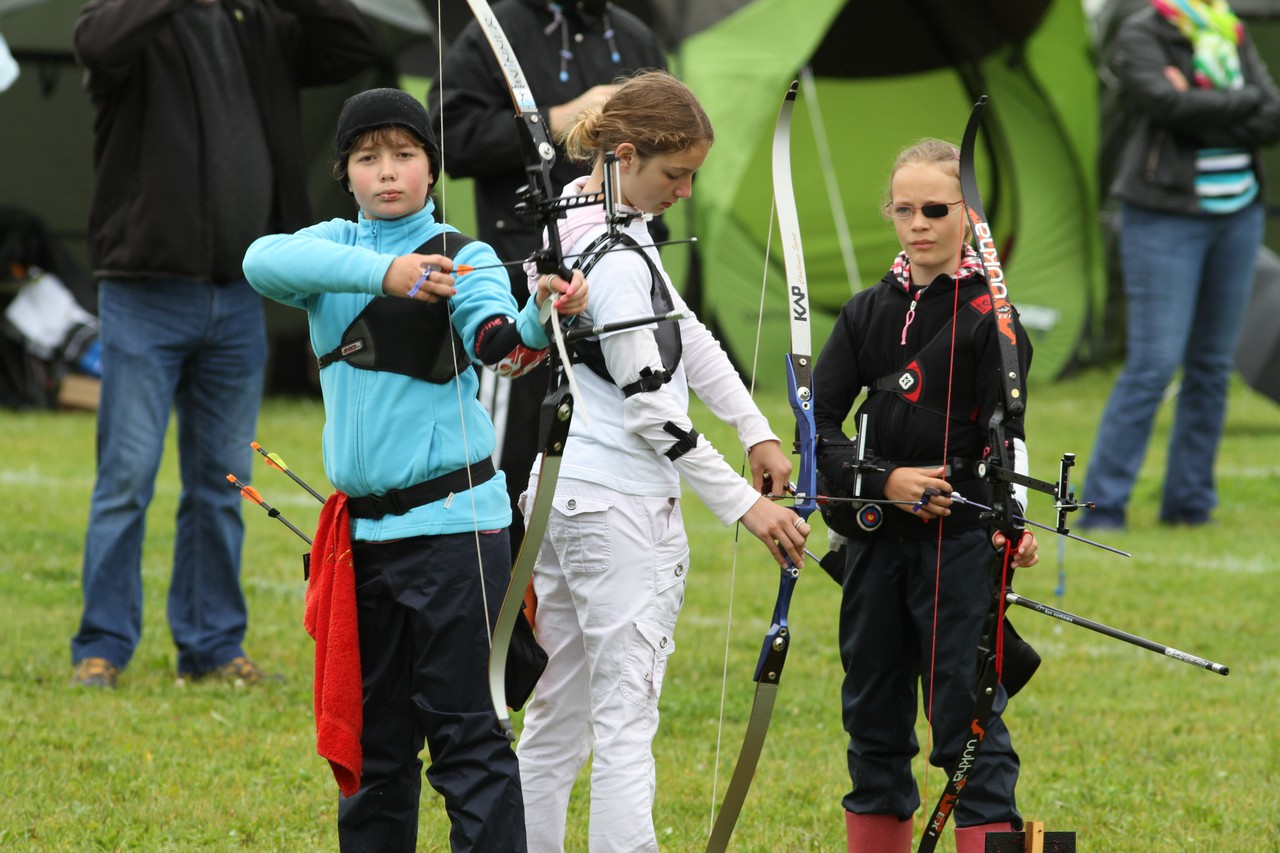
(197, 151)
(1190, 183)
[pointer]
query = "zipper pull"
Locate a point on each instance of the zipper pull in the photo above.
(911, 315)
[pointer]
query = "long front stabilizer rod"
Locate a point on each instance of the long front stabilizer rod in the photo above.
(1116, 633)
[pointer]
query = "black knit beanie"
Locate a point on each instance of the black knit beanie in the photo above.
(377, 108)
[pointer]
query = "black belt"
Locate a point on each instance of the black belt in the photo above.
(400, 501)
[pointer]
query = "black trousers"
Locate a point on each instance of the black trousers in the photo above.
(424, 651)
(887, 646)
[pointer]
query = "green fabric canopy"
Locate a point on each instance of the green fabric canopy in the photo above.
(1035, 166)
(1036, 161)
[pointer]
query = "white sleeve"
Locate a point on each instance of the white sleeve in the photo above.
(714, 379)
(647, 413)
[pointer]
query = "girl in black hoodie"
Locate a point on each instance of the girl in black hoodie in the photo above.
(922, 343)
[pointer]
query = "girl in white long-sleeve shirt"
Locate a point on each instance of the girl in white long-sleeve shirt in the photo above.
(610, 575)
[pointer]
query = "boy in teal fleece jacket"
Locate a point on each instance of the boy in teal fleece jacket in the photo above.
(407, 444)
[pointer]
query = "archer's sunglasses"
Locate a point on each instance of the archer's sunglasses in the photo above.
(936, 210)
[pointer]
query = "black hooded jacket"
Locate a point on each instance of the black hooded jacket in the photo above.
(867, 345)
(481, 140)
(149, 215)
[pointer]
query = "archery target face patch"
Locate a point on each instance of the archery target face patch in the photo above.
(870, 517)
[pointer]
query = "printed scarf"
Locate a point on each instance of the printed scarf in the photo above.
(1215, 34)
(970, 265)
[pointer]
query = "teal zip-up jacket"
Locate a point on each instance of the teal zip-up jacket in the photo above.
(383, 430)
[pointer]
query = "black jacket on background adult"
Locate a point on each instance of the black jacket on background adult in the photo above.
(1157, 166)
(481, 140)
(866, 344)
(149, 215)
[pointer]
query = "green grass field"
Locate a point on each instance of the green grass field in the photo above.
(1132, 751)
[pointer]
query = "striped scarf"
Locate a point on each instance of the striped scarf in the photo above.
(1225, 180)
(1215, 34)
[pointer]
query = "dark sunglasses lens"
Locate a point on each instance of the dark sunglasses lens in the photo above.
(934, 211)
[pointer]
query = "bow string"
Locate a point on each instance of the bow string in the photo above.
(538, 202)
(1004, 514)
(777, 640)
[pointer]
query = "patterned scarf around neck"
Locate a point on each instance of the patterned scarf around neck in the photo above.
(1215, 34)
(970, 265)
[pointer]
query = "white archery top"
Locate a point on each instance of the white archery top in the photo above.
(623, 447)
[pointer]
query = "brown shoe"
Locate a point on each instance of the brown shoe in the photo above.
(239, 672)
(95, 672)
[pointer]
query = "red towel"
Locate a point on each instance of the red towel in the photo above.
(331, 621)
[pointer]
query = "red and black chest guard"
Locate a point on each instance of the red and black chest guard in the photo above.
(925, 378)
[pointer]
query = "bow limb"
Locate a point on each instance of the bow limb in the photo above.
(538, 197)
(537, 203)
(1003, 517)
(1012, 403)
(557, 413)
(777, 640)
(1012, 399)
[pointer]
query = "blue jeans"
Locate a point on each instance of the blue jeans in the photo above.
(199, 347)
(1187, 281)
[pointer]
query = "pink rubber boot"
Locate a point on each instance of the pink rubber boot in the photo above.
(973, 839)
(877, 833)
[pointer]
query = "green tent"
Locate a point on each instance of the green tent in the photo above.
(883, 78)
(884, 75)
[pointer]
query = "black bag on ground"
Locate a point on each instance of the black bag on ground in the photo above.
(47, 306)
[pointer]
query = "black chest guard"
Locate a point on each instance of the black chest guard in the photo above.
(406, 336)
(923, 381)
(670, 347)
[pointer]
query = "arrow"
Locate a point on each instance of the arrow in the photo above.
(273, 460)
(251, 494)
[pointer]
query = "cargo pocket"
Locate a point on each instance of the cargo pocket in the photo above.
(647, 665)
(670, 567)
(668, 577)
(579, 532)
